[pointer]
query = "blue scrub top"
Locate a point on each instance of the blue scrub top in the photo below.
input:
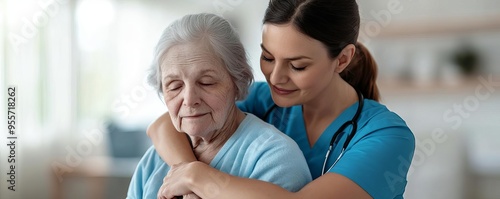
(377, 158)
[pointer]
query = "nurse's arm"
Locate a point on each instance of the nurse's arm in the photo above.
(172, 146)
(328, 186)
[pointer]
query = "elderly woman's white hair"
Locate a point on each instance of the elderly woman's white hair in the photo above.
(221, 37)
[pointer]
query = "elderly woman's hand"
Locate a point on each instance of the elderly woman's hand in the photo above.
(179, 180)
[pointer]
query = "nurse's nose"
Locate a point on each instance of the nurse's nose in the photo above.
(279, 75)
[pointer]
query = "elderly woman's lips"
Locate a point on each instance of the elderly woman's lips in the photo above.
(194, 116)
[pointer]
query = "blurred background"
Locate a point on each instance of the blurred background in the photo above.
(83, 104)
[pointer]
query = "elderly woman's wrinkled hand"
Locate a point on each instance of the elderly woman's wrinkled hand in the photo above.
(178, 180)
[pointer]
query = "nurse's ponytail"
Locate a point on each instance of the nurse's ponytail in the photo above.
(361, 73)
(336, 25)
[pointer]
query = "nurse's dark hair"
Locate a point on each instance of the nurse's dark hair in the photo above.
(335, 23)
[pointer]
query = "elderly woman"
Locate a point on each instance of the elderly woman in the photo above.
(200, 68)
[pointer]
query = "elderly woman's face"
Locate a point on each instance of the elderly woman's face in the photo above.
(197, 89)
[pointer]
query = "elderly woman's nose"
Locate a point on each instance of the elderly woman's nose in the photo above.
(191, 96)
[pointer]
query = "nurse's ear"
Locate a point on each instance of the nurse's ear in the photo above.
(344, 58)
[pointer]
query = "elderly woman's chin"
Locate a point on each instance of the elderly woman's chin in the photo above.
(196, 127)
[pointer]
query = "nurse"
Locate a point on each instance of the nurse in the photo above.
(321, 91)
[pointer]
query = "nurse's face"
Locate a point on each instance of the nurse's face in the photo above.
(297, 67)
(198, 90)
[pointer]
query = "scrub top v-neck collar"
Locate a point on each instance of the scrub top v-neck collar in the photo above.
(297, 131)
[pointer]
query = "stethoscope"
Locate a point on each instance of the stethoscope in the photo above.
(353, 122)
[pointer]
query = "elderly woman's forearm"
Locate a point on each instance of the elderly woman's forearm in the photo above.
(172, 146)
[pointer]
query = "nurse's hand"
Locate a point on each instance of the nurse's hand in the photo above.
(179, 180)
(191, 196)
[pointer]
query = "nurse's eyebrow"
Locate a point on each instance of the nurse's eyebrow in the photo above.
(288, 59)
(264, 48)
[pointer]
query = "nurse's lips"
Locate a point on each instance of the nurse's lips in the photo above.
(282, 91)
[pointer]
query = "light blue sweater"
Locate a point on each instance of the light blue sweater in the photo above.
(256, 150)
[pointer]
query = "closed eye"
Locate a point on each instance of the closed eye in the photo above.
(297, 68)
(264, 58)
(174, 88)
(206, 84)
(207, 80)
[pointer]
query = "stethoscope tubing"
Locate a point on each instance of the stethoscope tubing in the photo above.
(354, 123)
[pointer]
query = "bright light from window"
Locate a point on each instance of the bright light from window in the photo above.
(95, 13)
(19, 10)
(92, 19)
